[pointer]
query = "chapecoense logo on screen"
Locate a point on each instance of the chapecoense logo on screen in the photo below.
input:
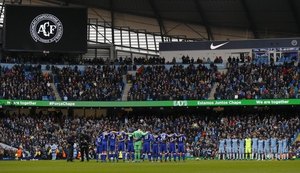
(46, 28)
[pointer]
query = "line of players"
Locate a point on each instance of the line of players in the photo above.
(253, 148)
(114, 145)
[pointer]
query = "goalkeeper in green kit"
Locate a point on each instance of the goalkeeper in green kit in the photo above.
(137, 137)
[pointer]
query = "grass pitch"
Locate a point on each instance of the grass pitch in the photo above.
(202, 166)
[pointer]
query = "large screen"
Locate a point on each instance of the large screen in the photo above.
(45, 29)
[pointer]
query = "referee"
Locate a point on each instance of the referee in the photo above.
(84, 140)
(70, 147)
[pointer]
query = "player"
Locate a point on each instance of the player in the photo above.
(260, 149)
(104, 142)
(267, 148)
(130, 147)
(222, 149)
(284, 149)
(155, 150)
(241, 148)
(234, 148)
(138, 136)
(172, 146)
(254, 148)
(273, 147)
(163, 146)
(181, 149)
(121, 137)
(280, 152)
(248, 147)
(148, 138)
(99, 147)
(112, 146)
(228, 147)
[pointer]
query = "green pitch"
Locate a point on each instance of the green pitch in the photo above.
(202, 166)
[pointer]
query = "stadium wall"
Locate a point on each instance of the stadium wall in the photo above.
(190, 30)
(172, 28)
(220, 33)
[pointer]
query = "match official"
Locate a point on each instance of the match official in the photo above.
(84, 140)
(70, 147)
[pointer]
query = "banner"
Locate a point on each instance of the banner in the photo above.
(230, 44)
(176, 103)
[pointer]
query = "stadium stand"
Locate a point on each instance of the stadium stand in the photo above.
(176, 83)
(259, 81)
(91, 83)
(152, 82)
(25, 82)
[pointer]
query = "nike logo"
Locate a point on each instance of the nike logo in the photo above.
(212, 47)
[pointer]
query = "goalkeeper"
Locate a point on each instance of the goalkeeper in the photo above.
(137, 137)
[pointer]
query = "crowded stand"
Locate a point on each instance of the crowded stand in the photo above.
(259, 81)
(176, 83)
(150, 60)
(155, 80)
(210, 136)
(70, 60)
(91, 83)
(25, 82)
(121, 60)
(187, 60)
(42, 59)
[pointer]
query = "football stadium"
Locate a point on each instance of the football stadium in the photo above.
(149, 86)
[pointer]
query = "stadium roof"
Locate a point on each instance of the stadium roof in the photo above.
(279, 17)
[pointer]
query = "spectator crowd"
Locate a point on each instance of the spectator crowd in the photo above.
(102, 83)
(25, 82)
(151, 82)
(263, 81)
(176, 83)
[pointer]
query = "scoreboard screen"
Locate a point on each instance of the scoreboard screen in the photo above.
(45, 29)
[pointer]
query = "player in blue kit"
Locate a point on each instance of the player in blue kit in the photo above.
(112, 146)
(228, 147)
(155, 151)
(273, 147)
(284, 149)
(121, 144)
(254, 154)
(241, 148)
(147, 139)
(181, 149)
(222, 149)
(234, 148)
(267, 148)
(163, 146)
(130, 147)
(260, 149)
(279, 154)
(99, 147)
(104, 145)
(172, 146)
